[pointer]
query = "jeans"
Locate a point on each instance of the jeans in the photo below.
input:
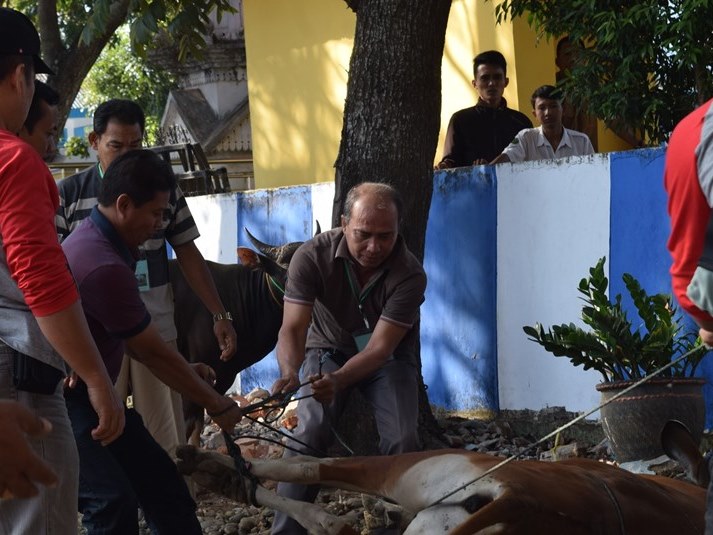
(54, 511)
(131, 472)
(393, 393)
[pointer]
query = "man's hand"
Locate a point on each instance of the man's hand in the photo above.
(287, 383)
(228, 415)
(706, 336)
(20, 467)
(227, 339)
(480, 161)
(205, 372)
(324, 387)
(110, 410)
(443, 164)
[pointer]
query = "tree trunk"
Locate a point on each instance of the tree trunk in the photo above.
(73, 62)
(392, 116)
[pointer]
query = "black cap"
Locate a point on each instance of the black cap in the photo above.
(18, 36)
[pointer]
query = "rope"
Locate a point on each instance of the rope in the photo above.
(570, 423)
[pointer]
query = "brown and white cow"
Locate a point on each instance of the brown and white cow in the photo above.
(572, 497)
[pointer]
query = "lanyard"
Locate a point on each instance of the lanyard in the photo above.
(360, 298)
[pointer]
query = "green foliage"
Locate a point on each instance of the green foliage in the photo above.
(644, 64)
(77, 146)
(118, 73)
(614, 346)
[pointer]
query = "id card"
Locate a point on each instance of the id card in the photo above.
(361, 339)
(142, 275)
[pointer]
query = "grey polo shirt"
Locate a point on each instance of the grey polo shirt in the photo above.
(317, 276)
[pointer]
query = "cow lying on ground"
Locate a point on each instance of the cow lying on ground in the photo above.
(577, 496)
(252, 291)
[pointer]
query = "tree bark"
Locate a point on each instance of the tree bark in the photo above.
(392, 116)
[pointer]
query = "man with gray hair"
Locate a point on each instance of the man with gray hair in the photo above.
(352, 297)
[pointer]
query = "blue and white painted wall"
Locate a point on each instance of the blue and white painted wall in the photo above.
(506, 247)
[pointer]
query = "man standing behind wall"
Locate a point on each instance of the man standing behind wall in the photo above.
(352, 296)
(42, 323)
(119, 128)
(477, 135)
(551, 139)
(688, 177)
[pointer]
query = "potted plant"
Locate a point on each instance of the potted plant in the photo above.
(624, 352)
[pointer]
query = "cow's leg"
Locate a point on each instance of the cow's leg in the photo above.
(437, 520)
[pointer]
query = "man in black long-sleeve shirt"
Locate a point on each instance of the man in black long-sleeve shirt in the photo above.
(477, 135)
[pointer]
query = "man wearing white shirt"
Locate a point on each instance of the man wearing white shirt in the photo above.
(551, 139)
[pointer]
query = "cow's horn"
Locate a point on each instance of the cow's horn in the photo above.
(264, 248)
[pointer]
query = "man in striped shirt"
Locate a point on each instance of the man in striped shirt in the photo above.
(119, 128)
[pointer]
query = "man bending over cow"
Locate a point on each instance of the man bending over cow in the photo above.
(360, 288)
(119, 128)
(102, 253)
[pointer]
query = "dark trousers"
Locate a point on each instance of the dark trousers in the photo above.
(393, 394)
(131, 472)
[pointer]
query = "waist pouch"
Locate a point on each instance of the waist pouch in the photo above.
(32, 375)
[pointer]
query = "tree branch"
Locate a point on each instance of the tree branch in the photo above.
(52, 46)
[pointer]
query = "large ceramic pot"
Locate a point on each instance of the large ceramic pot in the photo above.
(633, 422)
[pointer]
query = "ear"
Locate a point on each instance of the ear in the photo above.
(122, 204)
(343, 222)
(507, 81)
(248, 257)
(93, 138)
(473, 83)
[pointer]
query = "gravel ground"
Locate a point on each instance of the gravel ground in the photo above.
(512, 433)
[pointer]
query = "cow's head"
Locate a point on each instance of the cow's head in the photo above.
(273, 259)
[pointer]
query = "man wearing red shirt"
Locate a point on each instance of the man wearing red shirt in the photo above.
(42, 324)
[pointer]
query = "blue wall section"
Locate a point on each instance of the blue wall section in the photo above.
(274, 216)
(639, 231)
(458, 327)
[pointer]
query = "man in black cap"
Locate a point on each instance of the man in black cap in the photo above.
(42, 325)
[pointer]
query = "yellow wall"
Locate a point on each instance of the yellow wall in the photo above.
(298, 60)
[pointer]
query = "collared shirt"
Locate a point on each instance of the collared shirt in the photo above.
(317, 276)
(103, 267)
(78, 195)
(481, 132)
(531, 144)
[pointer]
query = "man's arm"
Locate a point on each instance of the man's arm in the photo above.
(172, 369)
(500, 159)
(201, 282)
(382, 344)
(449, 148)
(68, 333)
(291, 345)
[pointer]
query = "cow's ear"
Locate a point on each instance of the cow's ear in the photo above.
(248, 257)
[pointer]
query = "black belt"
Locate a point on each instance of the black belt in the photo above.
(32, 375)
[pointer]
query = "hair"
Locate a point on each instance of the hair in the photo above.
(10, 62)
(548, 92)
(376, 188)
(140, 174)
(490, 57)
(562, 42)
(43, 93)
(126, 112)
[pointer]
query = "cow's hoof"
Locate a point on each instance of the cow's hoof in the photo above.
(213, 471)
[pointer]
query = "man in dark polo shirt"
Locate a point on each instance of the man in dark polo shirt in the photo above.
(102, 252)
(353, 294)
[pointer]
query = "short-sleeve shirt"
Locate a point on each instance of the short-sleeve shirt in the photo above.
(103, 267)
(688, 178)
(531, 144)
(317, 276)
(78, 195)
(34, 279)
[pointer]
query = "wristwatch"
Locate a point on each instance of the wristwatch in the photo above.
(222, 316)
